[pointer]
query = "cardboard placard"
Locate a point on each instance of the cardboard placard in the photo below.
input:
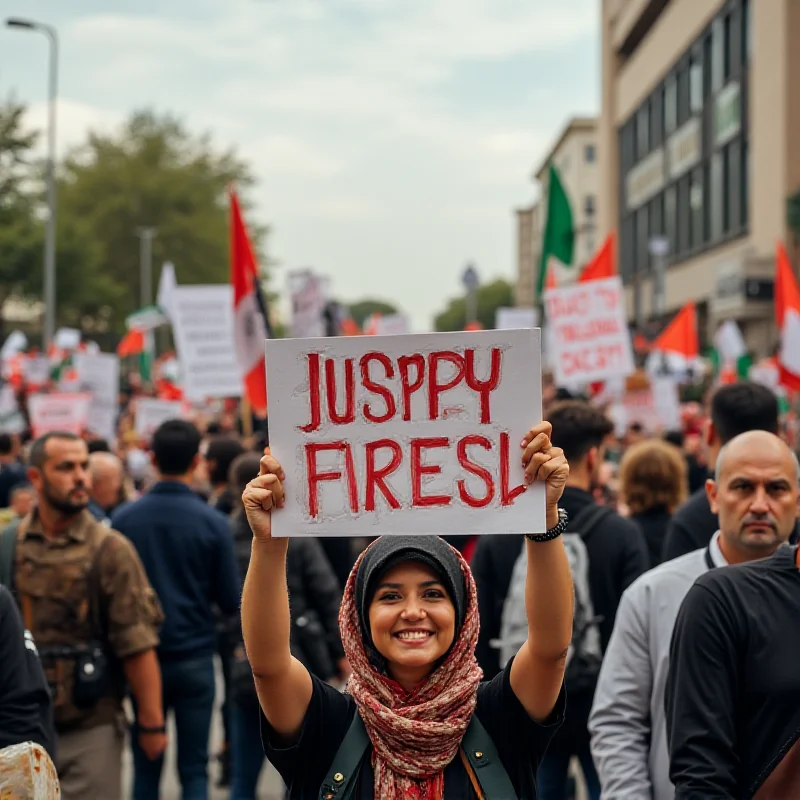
(414, 434)
(60, 411)
(589, 336)
(150, 413)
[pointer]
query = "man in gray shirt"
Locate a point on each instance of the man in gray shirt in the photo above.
(627, 723)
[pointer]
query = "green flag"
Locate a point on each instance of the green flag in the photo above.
(559, 234)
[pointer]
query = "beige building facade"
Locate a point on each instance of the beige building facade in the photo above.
(574, 154)
(698, 155)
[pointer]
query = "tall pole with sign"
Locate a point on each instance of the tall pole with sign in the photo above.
(470, 282)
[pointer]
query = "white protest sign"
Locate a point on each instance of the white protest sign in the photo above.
(656, 408)
(202, 321)
(60, 411)
(15, 343)
(391, 325)
(11, 419)
(590, 338)
(415, 434)
(98, 374)
(67, 338)
(308, 293)
(515, 318)
(150, 413)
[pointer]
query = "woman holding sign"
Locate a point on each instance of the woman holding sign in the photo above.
(415, 721)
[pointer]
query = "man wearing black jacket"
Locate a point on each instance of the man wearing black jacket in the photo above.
(735, 408)
(617, 556)
(26, 709)
(733, 689)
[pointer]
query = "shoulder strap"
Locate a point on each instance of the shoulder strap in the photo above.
(486, 766)
(340, 782)
(94, 589)
(587, 518)
(8, 551)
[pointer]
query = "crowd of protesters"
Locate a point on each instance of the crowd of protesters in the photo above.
(616, 647)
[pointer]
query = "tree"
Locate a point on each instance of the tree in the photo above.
(490, 297)
(154, 173)
(363, 309)
(20, 231)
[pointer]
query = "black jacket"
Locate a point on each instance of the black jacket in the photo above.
(732, 696)
(617, 556)
(691, 527)
(313, 586)
(653, 524)
(26, 710)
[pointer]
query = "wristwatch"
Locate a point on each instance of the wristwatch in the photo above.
(552, 533)
(158, 729)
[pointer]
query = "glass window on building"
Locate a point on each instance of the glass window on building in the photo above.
(696, 204)
(716, 196)
(627, 247)
(696, 84)
(707, 61)
(671, 218)
(683, 93)
(726, 189)
(717, 56)
(589, 153)
(727, 47)
(684, 216)
(642, 240)
(747, 31)
(643, 130)
(706, 202)
(670, 105)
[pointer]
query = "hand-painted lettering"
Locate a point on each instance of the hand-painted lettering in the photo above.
(314, 478)
(436, 389)
(377, 388)
(376, 478)
(408, 387)
(474, 469)
(507, 496)
(349, 391)
(483, 388)
(418, 470)
(313, 394)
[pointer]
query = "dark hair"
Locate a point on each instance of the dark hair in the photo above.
(222, 450)
(243, 469)
(674, 437)
(20, 487)
(578, 427)
(6, 444)
(175, 444)
(652, 475)
(745, 406)
(98, 446)
(636, 427)
(213, 428)
(38, 452)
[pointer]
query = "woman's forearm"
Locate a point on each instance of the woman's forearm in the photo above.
(266, 622)
(548, 598)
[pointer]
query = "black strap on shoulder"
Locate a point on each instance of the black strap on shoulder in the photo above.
(485, 761)
(8, 553)
(342, 777)
(587, 518)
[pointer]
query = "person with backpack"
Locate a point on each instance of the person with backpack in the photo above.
(416, 720)
(606, 554)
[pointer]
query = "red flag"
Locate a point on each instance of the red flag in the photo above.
(603, 264)
(787, 307)
(680, 336)
(249, 324)
(132, 344)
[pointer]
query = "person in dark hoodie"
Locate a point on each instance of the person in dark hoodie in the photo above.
(735, 408)
(617, 555)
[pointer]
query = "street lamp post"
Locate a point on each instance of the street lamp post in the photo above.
(146, 236)
(50, 235)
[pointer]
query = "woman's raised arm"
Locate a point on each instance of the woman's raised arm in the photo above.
(283, 684)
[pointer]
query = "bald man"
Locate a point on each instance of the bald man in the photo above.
(733, 689)
(107, 472)
(627, 723)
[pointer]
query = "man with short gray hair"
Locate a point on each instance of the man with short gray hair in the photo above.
(627, 725)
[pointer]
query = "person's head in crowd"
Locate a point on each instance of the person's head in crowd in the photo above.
(634, 434)
(735, 409)
(175, 449)
(58, 468)
(242, 470)
(98, 446)
(219, 455)
(754, 492)
(108, 475)
(653, 477)
(213, 428)
(7, 454)
(580, 430)
(675, 438)
(22, 499)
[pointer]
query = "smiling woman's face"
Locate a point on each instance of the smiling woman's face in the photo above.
(412, 621)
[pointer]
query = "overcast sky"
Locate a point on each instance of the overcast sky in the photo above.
(392, 139)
